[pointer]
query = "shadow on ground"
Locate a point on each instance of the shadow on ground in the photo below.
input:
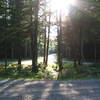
(50, 90)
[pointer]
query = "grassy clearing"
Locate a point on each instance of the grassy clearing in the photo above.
(80, 72)
(24, 72)
(51, 72)
(15, 61)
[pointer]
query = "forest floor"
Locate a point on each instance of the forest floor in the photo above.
(52, 58)
(49, 90)
(69, 72)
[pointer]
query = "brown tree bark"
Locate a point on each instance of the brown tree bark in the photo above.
(34, 36)
(48, 39)
(59, 39)
(45, 42)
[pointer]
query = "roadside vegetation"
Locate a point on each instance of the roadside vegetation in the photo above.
(80, 72)
(33, 29)
(69, 72)
(24, 72)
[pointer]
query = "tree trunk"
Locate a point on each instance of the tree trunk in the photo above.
(19, 62)
(80, 47)
(59, 39)
(95, 53)
(48, 39)
(34, 36)
(12, 53)
(45, 36)
(5, 59)
(19, 54)
(26, 49)
(45, 42)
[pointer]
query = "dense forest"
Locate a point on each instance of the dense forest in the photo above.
(26, 29)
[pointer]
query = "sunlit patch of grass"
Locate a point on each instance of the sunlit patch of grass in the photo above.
(81, 72)
(40, 59)
(24, 73)
(67, 65)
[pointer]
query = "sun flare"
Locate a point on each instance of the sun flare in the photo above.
(63, 5)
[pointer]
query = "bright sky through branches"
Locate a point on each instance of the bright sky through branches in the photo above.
(63, 5)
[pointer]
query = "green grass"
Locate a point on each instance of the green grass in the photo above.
(67, 65)
(80, 72)
(69, 72)
(24, 73)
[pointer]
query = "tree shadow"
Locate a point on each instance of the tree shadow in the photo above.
(35, 90)
(23, 90)
(56, 93)
(9, 86)
(11, 98)
(3, 82)
(75, 90)
(52, 90)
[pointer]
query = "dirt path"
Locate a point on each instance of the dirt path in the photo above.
(50, 90)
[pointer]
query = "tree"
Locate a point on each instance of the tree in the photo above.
(48, 37)
(79, 35)
(13, 28)
(34, 35)
(59, 43)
